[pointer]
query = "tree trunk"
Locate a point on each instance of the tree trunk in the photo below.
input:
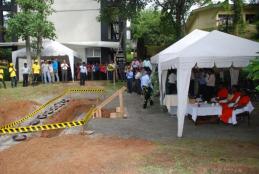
(179, 19)
(39, 46)
(238, 16)
(28, 51)
(141, 50)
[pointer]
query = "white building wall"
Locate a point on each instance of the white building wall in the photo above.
(76, 20)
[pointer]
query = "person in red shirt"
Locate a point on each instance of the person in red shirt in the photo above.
(102, 72)
(222, 94)
(236, 95)
(227, 111)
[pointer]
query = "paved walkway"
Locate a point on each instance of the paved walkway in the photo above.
(154, 124)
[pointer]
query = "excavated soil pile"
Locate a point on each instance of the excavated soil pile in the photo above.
(14, 110)
(75, 154)
(73, 109)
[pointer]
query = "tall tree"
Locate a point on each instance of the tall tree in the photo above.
(238, 23)
(177, 10)
(31, 22)
(113, 10)
(150, 28)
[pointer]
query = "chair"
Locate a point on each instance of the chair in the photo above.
(243, 112)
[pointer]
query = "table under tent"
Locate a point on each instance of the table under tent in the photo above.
(203, 50)
(51, 49)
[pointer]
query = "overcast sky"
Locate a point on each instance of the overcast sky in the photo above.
(194, 7)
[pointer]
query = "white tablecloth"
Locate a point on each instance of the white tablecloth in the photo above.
(203, 110)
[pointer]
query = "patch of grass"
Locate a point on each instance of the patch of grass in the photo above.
(44, 90)
(203, 156)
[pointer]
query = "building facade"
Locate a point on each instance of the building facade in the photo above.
(216, 17)
(78, 28)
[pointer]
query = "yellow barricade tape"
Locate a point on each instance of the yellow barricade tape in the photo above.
(36, 128)
(34, 112)
(42, 107)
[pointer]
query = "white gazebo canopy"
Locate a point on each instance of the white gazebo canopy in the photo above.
(180, 45)
(213, 49)
(173, 50)
(51, 48)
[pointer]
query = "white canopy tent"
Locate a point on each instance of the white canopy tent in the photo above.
(51, 48)
(214, 49)
(173, 50)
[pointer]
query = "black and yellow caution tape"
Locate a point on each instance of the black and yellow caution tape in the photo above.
(88, 90)
(46, 127)
(42, 107)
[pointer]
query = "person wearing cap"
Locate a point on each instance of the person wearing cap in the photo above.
(2, 76)
(25, 73)
(35, 72)
(12, 72)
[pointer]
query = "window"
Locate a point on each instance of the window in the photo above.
(93, 52)
(225, 19)
(6, 16)
(250, 18)
(113, 31)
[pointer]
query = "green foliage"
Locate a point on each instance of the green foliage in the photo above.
(5, 54)
(177, 11)
(151, 26)
(31, 21)
(120, 9)
(20, 25)
(238, 22)
(253, 70)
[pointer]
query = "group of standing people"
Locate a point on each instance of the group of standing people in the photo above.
(12, 73)
(97, 71)
(202, 83)
(47, 72)
(138, 75)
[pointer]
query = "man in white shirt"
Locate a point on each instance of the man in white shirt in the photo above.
(147, 64)
(210, 83)
(146, 88)
(25, 73)
(83, 73)
(64, 68)
(172, 82)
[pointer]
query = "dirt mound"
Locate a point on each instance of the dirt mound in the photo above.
(14, 110)
(73, 109)
(75, 154)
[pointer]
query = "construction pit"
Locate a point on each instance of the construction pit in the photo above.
(65, 114)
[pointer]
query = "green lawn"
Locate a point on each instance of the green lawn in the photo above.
(186, 156)
(30, 93)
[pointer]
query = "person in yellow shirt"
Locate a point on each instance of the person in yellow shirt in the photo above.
(111, 69)
(12, 72)
(2, 76)
(35, 72)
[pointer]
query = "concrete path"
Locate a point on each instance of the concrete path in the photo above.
(154, 124)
